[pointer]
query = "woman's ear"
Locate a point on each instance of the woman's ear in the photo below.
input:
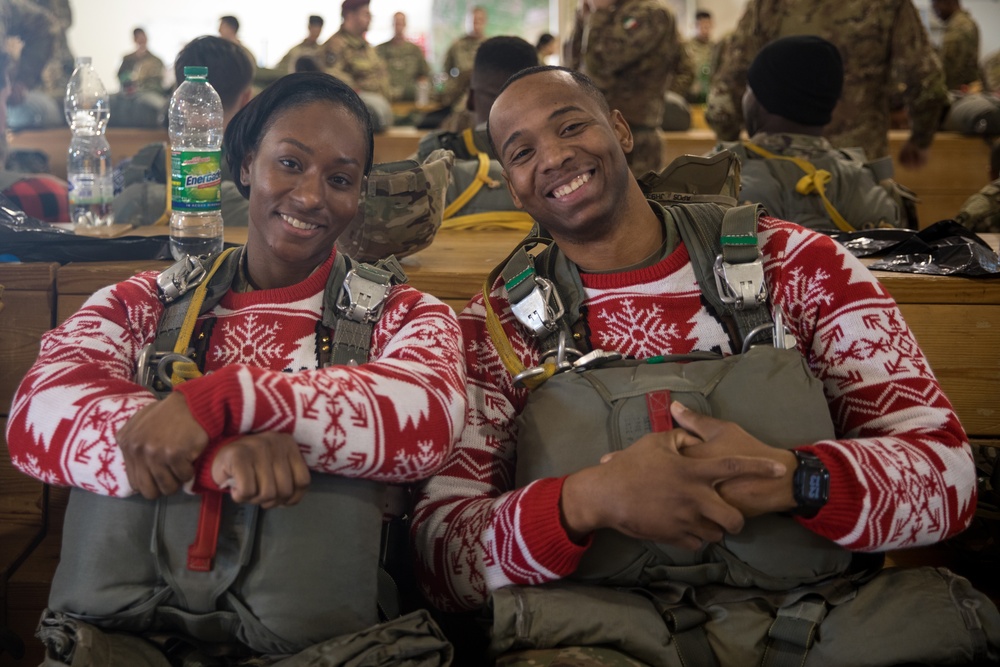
(245, 170)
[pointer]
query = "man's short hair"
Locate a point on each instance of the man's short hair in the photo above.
(351, 5)
(505, 55)
(136, 32)
(581, 80)
(316, 20)
(702, 14)
(230, 69)
(232, 22)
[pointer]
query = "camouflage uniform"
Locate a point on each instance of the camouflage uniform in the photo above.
(35, 28)
(458, 62)
(631, 50)
(960, 50)
(406, 63)
(871, 37)
(853, 188)
(353, 60)
(981, 211)
(701, 54)
(141, 72)
(305, 49)
(991, 72)
(60, 66)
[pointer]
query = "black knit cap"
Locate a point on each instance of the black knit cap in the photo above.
(798, 77)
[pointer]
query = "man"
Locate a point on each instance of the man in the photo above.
(872, 37)
(42, 196)
(792, 88)
(701, 51)
(229, 28)
(459, 58)
(960, 44)
(632, 51)
(307, 48)
(350, 58)
(482, 536)
(141, 101)
(406, 63)
(140, 70)
(37, 31)
(143, 198)
(497, 59)
(981, 211)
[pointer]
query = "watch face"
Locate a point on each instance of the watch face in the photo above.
(811, 484)
(814, 487)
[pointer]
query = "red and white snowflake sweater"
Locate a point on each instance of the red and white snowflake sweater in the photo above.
(393, 419)
(901, 469)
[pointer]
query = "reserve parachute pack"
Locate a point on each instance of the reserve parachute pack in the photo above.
(775, 594)
(158, 567)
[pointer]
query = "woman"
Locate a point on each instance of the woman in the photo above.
(265, 409)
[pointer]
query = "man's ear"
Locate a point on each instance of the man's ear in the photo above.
(622, 130)
(513, 195)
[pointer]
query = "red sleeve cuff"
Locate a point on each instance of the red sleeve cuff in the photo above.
(842, 509)
(203, 466)
(541, 527)
(207, 398)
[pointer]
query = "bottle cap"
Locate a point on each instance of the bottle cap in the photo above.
(83, 60)
(195, 71)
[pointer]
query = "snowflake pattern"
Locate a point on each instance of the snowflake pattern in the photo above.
(637, 331)
(252, 342)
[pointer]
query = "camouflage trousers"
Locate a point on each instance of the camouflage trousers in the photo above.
(647, 151)
(574, 656)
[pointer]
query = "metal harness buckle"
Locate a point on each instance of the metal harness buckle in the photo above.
(362, 299)
(536, 310)
(740, 284)
(181, 277)
(154, 366)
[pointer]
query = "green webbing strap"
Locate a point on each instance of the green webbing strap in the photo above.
(792, 633)
(708, 232)
(352, 337)
(687, 629)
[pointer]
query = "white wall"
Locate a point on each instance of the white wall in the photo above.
(103, 28)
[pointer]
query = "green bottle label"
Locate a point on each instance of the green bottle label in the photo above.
(195, 177)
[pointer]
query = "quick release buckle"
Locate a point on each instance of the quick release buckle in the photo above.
(541, 309)
(180, 278)
(153, 370)
(362, 298)
(740, 284)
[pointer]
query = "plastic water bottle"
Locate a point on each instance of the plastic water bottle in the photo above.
(195, 130)
(88, 167)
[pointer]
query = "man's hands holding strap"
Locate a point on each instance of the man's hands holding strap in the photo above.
(684, 487)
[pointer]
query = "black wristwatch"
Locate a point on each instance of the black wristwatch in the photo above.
(810, 485)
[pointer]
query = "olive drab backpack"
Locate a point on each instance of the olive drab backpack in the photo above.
(774, 595)
(170, 572)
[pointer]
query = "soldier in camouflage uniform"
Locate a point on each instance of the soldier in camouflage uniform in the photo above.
(405, 61)
(991, 72)
(307, 48)
(792, 88)
(981, 211)
(36, 28)
(631, 50)
(701, 51)
(960, 46)
(459, 58)
(350, 58)
(872, 36)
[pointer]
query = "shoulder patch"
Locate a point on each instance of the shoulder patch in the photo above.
(630, 22)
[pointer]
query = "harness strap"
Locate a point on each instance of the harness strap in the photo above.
(513, 220)
(815, 181)
(687, 628)
(482, 178)
(792, 633)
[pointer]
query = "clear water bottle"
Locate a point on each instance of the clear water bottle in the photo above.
(195, 130)
(88, 167)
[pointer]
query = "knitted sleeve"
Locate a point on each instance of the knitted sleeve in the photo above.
(901, 469)
(81, 391)
(393, 419)
(473, 532)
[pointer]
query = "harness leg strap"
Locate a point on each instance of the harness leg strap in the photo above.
(687, 626)
(792, 633)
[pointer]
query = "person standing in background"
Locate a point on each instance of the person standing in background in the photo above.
(229, 28)
(701, 51)
(460, 57)
(140, 70)
(349, 57)
(632, 52)
(872, 37)
(35, 31)
(405, 62)
(307, 48)
(959, 49)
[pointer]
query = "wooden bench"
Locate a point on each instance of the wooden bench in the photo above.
(124, 141)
